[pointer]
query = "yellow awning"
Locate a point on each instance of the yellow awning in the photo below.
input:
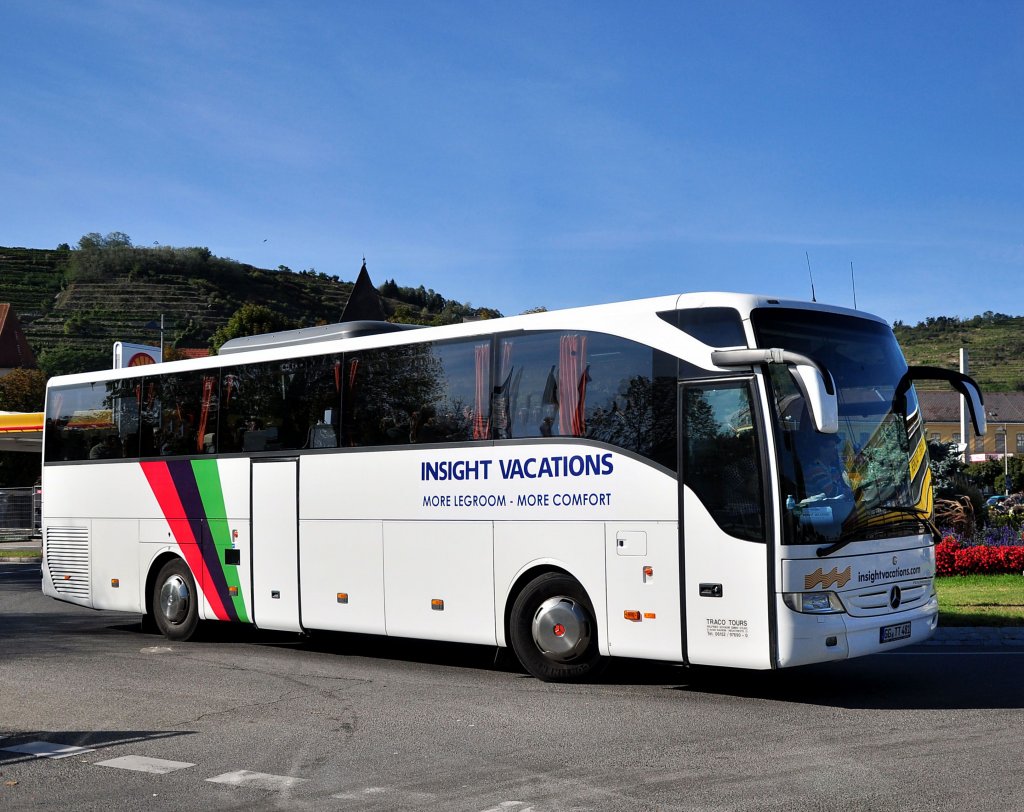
(12, 422)
(21, 431)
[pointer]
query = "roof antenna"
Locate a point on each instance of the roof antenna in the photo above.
(853, 282)
(813, 299)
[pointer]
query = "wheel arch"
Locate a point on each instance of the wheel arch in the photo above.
(527, 575)
(155, 566)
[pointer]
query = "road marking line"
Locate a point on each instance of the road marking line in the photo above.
(145, 764)
(244, 778)
(351, 796)
(47, 749)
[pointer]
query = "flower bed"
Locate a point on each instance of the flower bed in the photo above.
(955, 557)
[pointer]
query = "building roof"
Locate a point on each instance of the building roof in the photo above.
(944, 406)
(192, 352)
(15, 352)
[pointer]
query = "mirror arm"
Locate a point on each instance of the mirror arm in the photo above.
(958, 380)
(743, 358)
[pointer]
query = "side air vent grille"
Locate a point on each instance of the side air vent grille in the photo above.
(66, 555)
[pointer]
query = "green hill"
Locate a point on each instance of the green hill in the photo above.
(994, 343)
(78, 302)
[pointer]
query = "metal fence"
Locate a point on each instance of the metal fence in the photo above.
(20, 510)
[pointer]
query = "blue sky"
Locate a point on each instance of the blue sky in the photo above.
(554, 154)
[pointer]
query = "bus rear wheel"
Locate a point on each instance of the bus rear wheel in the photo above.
(553, 632)
(175, 607)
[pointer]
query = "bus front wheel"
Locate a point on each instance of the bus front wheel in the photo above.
(552, 630)
(174, 601)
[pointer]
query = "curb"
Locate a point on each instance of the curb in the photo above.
(987, 636)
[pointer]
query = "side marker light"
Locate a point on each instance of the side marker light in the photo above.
(342, 597)
(632, 614)
(437, 605)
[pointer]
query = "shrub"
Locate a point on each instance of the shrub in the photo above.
(953, 557)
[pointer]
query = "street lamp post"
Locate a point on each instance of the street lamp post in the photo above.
(152, 325)
(1006, 461)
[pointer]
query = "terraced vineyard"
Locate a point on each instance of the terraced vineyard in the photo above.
(994, 342)
(30, 279)
(62, 300)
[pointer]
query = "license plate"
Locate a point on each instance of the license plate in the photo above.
(887, 634)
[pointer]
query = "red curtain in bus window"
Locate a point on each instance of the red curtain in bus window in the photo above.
(230, 387)
(481, 425)
(209, 381)
(573, 374)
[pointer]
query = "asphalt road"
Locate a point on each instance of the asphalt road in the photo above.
(250, 720)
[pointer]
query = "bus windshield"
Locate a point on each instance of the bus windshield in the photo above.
(859, 483)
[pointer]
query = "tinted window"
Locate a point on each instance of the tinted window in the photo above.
(281, 405)
(179, 414)
(587, 385)
(417, 393)
(715, 326)
(92, 421)
(723, 461)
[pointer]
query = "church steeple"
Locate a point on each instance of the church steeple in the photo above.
(365, 303)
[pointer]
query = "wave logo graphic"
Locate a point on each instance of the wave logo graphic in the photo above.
(827, 579)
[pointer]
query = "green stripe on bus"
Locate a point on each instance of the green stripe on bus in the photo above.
(210, 491)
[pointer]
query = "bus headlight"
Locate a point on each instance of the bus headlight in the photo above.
(813, 603)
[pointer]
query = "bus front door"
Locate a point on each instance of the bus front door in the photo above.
(723, 530)
(275, 543)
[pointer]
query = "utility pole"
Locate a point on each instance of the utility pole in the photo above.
(1006, 459)
(965, 423)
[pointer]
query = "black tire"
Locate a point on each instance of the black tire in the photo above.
(553, 631)
(175, 601)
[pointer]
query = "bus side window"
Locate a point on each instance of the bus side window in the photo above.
(179, 411)
(722, 464)
(589, 385)
(320, 411)
(417, 393)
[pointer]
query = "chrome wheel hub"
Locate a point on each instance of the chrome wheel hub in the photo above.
(561, 628)
(175, 599)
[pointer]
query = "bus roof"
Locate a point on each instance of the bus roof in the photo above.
(637, 319)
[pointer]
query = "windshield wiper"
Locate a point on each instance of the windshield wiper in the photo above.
(917, 513)
(821, 552)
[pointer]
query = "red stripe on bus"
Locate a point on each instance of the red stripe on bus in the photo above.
(160, 482)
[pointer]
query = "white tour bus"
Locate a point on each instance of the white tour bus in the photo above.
(706, 478)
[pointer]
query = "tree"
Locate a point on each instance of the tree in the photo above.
(22, 390)
(94, 240)
(946, 468)
(67, 359)
(117, 239)
(90, 241)
(250, 320)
